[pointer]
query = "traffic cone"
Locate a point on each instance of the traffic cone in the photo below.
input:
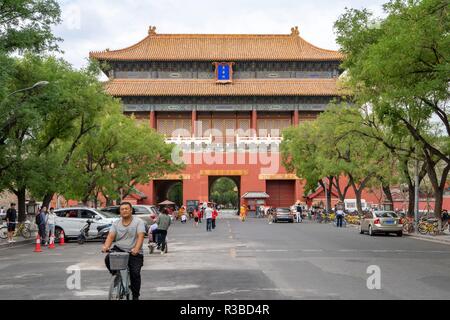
(61, 238)
(52, 243)
(38, 244)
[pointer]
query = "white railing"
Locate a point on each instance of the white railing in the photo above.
(255, 140)
(189, 140)
(258, 140)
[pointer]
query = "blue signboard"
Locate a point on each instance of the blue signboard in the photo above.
(223, 72)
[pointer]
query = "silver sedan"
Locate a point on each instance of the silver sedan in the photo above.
(381, 222)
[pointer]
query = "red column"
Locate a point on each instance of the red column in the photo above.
(254, 120)
(296, 117)
(152, 119)
(194, 120)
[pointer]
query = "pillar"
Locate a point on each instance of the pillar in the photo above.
(194, 120)
(152, 119)
(254, 121)
(296, 117)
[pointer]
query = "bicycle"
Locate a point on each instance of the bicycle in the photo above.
(428, 226)
(23, 229)
(408, 226)
(120, 282)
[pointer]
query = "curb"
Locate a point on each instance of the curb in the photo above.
(16, 244)
(441, 241)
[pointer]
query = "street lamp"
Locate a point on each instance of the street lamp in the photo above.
(36, 85)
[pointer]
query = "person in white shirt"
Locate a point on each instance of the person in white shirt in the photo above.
(208, 216)
(339, 217)
(51, 222)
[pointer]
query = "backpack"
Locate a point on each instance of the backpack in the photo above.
(38, 219)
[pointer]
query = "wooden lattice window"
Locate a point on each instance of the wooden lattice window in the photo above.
(169, 127)
(243, 127)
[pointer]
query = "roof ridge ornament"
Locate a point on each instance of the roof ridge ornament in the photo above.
(152, 30)
(294, 31)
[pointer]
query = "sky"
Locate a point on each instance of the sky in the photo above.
(94, 25)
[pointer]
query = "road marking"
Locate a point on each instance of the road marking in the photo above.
(175, 288)
(90, 293)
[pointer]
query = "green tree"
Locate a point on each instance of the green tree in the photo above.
(26, 25)
(223, 192)
(36, 124)
(399, 65)
(116, 156)
(331, 147)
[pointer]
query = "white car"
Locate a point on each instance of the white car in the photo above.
(71, 220)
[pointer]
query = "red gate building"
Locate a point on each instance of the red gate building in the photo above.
(224, 100)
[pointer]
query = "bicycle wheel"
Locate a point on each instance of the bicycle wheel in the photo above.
(115, 288)
(25, 232)
(3, 233)
(422, 228)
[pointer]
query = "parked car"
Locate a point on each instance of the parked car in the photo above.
(381, 222)
(283, 214)
(141, 211)
(71, 220)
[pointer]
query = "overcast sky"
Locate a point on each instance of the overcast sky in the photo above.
(91, 25)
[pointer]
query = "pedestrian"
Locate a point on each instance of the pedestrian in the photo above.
(11, 217)
(243, 212)
(183, 218)
(214, 217)
(339, 217)
(153, 229)
(270, 215)
(299, 212)
(196, 216)
(164, 223)
(51, 222)
(2, 214)
(41, 222)
(208, 216)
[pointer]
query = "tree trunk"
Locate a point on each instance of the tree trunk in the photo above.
(330, 187)
(47, 199)
(21, 199)
(358, 200)
(411, 198)
(387, 192)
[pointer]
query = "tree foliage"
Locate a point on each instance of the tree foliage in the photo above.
(399, 65)
(26, 25)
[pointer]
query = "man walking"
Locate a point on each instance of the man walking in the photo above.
(11, 217)
(164, 223)
(41, 221)
(299, 212)
(214, 217)
(208, 216)
(339, 217)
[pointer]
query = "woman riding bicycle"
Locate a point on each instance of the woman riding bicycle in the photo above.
(128, 236)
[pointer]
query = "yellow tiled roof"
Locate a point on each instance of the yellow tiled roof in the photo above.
(220, 47)
(190, 87)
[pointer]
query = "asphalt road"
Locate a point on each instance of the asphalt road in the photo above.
(250, 260)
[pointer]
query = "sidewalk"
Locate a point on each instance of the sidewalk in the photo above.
(19, 241)
(443, 238)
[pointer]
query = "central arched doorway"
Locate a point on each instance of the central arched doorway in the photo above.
(225, 191)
